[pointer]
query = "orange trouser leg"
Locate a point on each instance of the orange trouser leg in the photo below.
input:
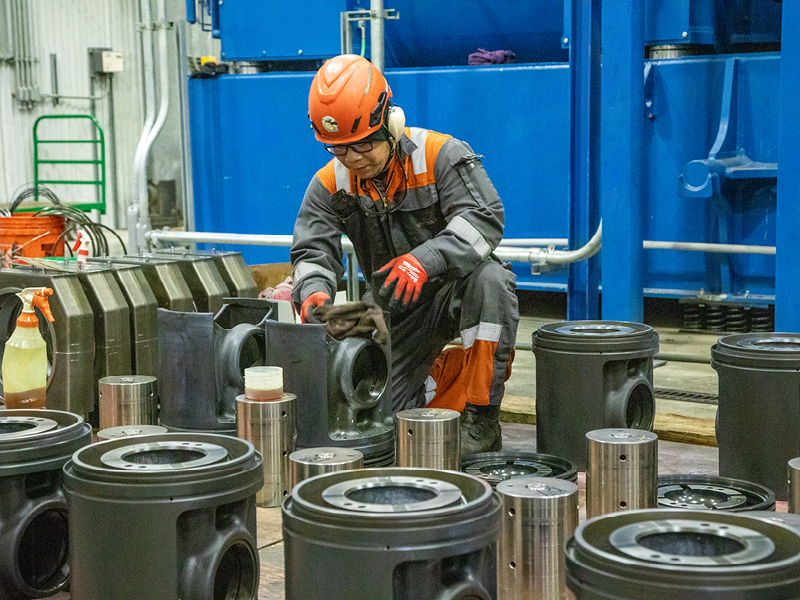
(463, 376)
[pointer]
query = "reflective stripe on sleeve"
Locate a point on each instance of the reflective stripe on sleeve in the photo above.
(465, 230)
(419, 137)
(485, 332)
(305, 268)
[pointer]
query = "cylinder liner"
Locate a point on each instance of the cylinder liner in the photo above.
(622, 473)
(272, 429)
(311, 462)
(395, 533)
(428, 438)
(127, 400)
(34, 445)
(170, 516)
(708, 492)
(539, 515)
(494, 467)
(591, 375)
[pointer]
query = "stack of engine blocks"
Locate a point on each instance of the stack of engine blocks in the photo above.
(247, 411)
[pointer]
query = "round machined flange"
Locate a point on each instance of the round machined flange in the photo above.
(595, 336)
(758, 350)
(495, 467)
(126, 431)
(164, 456)
(13, 427)
(656, 554)
(592, 328)
(710, 493)
(394, 493)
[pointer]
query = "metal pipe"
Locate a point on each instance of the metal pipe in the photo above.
(539, 515)
(622, 471)
(187, 187)
(376, 34)
(139, 178)
(703, 247)
(528, 242)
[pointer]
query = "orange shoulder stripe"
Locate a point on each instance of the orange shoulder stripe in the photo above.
(328, 177)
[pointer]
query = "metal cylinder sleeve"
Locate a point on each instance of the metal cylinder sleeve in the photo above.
(539, 515)
(429, 438)
(794, 486)
(494, 467)
(707, 492)
(128, 430)
(170, 516)
(395, 533)
(127, 400)
(591, 375)
(788, 519)
(758, 419)
(311, 462)
(271, 427)
(622, 473)
(686, 555)
(343, 389)
(34, 445)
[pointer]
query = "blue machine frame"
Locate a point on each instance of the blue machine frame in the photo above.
(671, 150)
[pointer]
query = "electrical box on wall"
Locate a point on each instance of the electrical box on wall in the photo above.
(104, 60)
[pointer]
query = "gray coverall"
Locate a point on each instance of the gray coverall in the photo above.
(448, 215)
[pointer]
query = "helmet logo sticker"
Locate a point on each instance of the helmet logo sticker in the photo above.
(330, 124)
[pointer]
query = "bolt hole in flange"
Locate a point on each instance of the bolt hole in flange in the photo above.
(235, 578)
(43, 553)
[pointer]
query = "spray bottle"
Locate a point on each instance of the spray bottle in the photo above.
(25, 358)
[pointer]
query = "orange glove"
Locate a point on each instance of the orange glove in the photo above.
(409, 275)
(315, 299)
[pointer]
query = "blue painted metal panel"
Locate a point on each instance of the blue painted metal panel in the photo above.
(623, 116)
(583, 294)
(254, 154)
(269, 29)
(787, 317)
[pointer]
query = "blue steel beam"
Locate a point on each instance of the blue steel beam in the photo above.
(583, 298)
(621, 155)
(787, 234)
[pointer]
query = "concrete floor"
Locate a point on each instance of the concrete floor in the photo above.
(673, 457)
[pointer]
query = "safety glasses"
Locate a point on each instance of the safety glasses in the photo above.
(341, 149)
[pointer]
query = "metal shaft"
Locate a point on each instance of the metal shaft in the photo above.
(428, 438)
(794, 486)
(539, 515)
(311, 462)
(127, 400)
(622, 471)
(271, 428)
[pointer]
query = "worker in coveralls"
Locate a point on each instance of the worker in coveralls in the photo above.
(424, 219)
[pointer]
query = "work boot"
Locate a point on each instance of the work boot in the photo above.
(480, 429)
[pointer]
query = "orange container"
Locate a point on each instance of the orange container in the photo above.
(34, 236)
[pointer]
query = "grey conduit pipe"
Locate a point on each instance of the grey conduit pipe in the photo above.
(139, 178)
(376, 34)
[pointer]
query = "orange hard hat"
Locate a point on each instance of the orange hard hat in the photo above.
(348, 100)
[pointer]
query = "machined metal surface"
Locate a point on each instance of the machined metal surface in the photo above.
(757, 439)
(202, 276)
(794, 485)
(789, 519)
(311, 462)
(34, 446)
(128, 431)
(186, 505)
(622, 471)
(397, 529)
(591, 375)
(70, 339)
(203, 357)
(343, 389)
(495, 467)
(711, 493)
(683, 554)
(539, 514)
(428, 438)
(127, 400)
(272, 429)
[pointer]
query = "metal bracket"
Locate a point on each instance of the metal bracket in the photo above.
(359, 15)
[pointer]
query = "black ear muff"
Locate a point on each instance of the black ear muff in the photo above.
(376, 116)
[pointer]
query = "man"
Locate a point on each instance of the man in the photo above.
(424, 219)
